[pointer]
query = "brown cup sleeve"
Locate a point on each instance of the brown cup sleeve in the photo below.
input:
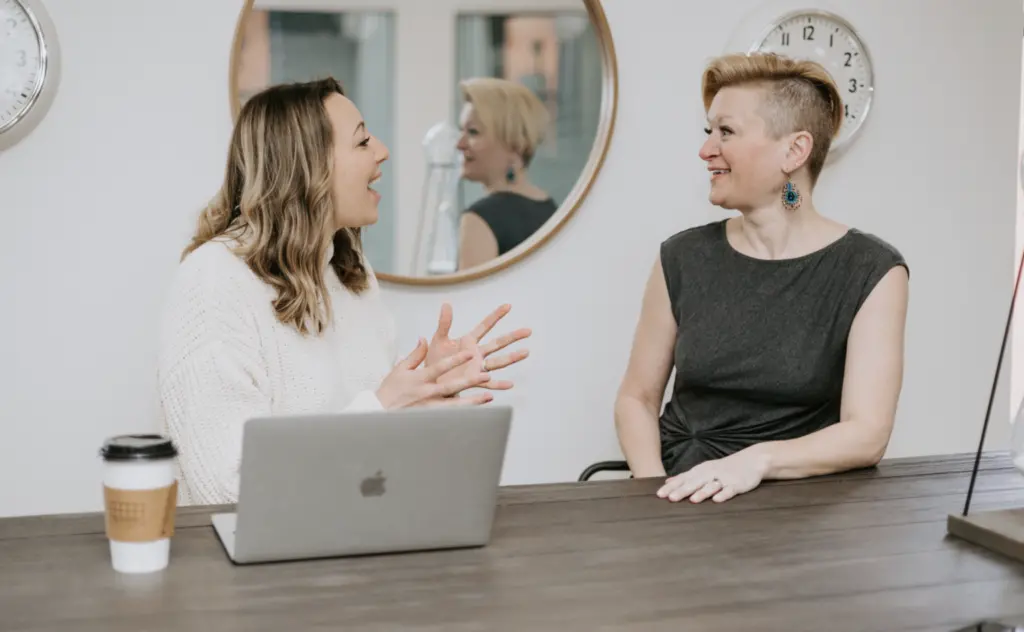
(140, 515)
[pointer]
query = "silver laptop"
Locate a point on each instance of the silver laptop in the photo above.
(361, 483)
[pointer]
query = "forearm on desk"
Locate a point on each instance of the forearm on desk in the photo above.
(636, 424)
(840, 447)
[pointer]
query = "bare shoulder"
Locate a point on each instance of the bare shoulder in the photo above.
(885, 297)
(892, 289)
(472, 222)
(477, 242)
(877, 266)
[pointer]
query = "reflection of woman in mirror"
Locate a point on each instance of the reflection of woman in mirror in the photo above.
(785, 327)
(274, 309)
(502, 125)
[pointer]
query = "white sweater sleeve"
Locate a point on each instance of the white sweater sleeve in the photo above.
(206, 398)
(212, 379)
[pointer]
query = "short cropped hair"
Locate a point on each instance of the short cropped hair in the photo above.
(510, 111)
(798, 96)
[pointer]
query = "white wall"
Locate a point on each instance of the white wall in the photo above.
(99, 200)
(1015, 355)
(96, 205)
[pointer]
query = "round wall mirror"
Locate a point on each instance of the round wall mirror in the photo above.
(497, 120)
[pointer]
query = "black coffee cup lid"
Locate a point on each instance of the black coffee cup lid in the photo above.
(138, 447)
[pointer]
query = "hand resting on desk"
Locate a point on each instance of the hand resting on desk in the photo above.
(720, 479)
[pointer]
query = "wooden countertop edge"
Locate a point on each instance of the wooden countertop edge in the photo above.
(88, 523)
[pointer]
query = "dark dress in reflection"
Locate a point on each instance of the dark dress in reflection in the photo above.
(512, 217)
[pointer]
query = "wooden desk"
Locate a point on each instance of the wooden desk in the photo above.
(860, 551)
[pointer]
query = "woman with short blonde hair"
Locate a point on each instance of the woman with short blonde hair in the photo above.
(274, 310)
(785, 328)
(502, 123)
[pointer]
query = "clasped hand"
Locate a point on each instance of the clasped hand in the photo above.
(443, 346)
(436, 373)
(719, 480)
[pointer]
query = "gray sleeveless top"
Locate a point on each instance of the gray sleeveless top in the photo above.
(761, 344)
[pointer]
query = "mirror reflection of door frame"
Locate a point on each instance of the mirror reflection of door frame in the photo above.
(408, 133)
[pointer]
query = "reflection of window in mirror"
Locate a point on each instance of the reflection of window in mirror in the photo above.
(356, 48)
(506, 194)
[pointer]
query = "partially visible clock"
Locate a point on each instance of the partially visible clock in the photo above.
(29, 67)
(831, 41)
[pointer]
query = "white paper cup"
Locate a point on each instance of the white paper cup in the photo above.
(140, 498)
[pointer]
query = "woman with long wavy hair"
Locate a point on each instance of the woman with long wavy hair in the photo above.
(274, 310)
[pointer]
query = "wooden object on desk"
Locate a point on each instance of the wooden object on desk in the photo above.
(999, 530)
(864, 550)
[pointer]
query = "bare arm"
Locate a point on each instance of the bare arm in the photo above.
(871, 388)
(477, 243)
(643, 386)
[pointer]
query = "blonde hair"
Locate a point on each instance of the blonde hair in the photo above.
(278, 192)
(798, 96)
(510, 111)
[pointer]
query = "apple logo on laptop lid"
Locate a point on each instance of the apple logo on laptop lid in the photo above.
(373, 485)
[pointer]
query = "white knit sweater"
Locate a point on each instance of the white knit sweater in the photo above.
(224, 358)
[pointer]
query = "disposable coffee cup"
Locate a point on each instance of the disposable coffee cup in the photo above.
(140, 494)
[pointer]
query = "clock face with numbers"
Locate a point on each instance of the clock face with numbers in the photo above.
(28, 72)
(832, 42)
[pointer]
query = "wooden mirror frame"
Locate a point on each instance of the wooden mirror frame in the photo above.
(579, 191)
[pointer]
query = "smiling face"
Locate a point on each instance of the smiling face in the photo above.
(747, 166)
(485, 158)
(358, 156)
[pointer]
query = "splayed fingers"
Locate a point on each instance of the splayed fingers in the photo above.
(508, 359)
(489, 321)
(505, 340)
(435, 371)
(416, 356)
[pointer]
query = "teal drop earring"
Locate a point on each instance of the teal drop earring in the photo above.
(791, 196)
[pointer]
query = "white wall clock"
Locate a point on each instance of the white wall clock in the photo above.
(831, 41)
(29, 67)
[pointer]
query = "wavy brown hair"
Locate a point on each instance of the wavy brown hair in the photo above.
(278, 195)
(798, 96)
